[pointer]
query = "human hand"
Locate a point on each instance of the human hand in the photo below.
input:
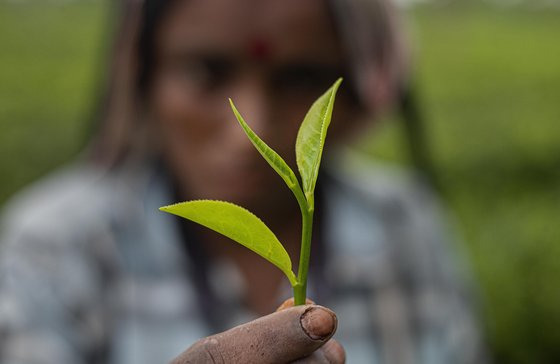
(300, 334)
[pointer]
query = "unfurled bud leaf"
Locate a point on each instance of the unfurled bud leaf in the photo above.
(311, 140)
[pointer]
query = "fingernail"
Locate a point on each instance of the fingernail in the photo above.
(318, 323)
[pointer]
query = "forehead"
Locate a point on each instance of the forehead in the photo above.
(291, 28)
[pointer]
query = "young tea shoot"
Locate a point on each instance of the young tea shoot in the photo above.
(244, 227)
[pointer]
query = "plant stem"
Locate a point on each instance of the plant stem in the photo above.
(304, 256)
(305, 252)
(306, 228)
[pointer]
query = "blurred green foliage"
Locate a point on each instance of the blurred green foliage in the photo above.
(50, 55)
(489, 80)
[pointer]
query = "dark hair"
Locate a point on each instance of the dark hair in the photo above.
(153, 11)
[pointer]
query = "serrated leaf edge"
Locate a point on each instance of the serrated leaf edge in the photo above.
(289, 274)
(309, 190)
(290, 177)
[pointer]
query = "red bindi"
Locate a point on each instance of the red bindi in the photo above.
(260, 49)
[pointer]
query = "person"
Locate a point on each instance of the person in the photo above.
(92, 272)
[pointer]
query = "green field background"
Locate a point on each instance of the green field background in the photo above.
(488, 77)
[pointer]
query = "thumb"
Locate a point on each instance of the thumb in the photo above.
(280, 337)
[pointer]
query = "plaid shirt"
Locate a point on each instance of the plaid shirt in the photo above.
(91, 272)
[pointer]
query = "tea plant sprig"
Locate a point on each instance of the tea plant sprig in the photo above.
(242, 226)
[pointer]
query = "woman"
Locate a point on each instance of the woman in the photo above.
(92, 272)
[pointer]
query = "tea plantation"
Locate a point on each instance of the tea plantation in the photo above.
(489, 81)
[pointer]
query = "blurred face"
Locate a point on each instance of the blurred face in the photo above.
(273, 58)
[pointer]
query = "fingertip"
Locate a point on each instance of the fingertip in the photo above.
(334, 352)
(318, 322)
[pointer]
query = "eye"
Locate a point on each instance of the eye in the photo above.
(206, 72)
(305, 78)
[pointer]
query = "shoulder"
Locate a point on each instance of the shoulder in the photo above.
(70, 202)
(59, 199)
(390, 238)
(383, 212)
(392, 191)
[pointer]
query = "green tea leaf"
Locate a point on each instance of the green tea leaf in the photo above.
(273, 158)
(238, 224)
(311, 139)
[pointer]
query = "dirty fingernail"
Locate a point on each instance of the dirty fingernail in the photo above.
(318, 323)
